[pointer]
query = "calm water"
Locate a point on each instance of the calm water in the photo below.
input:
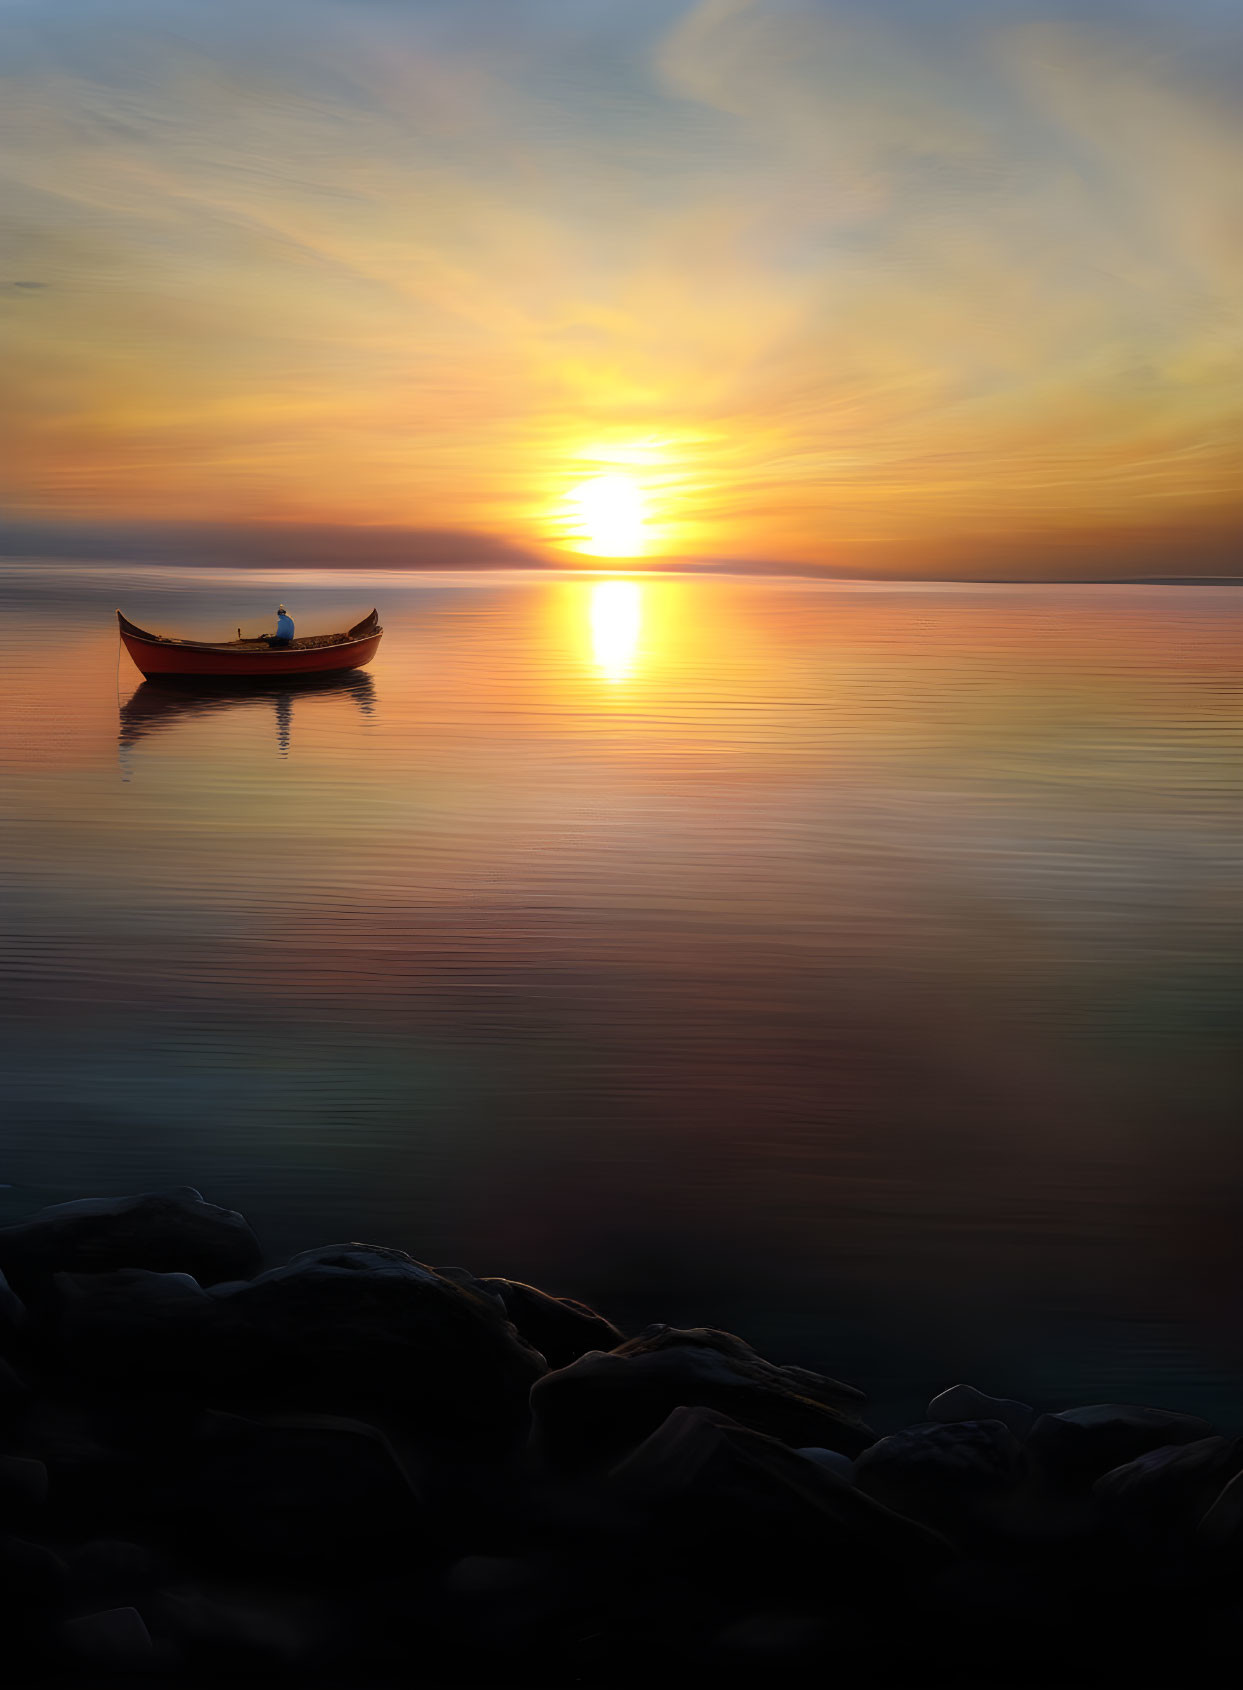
(858, 968)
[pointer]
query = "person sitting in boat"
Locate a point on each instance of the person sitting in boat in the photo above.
(284, 628)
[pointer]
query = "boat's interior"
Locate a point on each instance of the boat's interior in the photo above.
(309, 642)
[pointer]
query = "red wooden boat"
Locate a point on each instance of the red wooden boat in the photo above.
(196, 660)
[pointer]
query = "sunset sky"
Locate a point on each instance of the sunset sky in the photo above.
(895, 286)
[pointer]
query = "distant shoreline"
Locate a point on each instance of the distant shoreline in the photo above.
(653, 568)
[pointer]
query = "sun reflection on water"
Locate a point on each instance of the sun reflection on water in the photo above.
(616, 620)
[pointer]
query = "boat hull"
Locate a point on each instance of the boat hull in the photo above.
(179, 663)
(160, 658)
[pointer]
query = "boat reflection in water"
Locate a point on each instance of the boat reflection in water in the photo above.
(155, 707)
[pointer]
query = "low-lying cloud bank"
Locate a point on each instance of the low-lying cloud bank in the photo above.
(1209, 554)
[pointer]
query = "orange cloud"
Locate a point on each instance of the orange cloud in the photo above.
(836, 286)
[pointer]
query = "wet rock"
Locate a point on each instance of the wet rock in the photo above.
(964, 1402)
(346, 1329)
(1169, 1490)
(165, 1232)
(747, 1511)
(1076, 1446)
(293, 1491)
(591, 1413)
(941, 1472)
(560, 1328)
(113, 1640)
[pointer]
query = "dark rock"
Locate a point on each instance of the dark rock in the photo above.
(506, 1608)
(164, 1231)
(346, 1329)
(113, 1571)
(561, 1329)
(491, 1575)
(941, 1472)
(12, 1310)
(231, 1631)
(127, 1318)
(748, 1512)
(590, 1413)
(33, 1580)
(114, 1640)
(133, 1334)
(833, 1460)
(471, 1282)
(772, 1638)
(1169, 1490)
(964, 1402)
(23, 1484)
(1222, 1525)
(358, 1322)
(977, 1607)
(14, 1392)
(1076, 1446)
(112, 1459)
(293, 1491)
(818, 1387)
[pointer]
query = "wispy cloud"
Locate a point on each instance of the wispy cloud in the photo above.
(830, 276)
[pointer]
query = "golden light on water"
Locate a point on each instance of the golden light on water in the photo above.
(616, 621)
(607, 516)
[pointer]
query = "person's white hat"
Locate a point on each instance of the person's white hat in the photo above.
(280, 610)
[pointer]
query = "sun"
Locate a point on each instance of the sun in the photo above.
(608, 516)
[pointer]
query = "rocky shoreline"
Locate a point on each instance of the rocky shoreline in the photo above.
(355, 1469)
